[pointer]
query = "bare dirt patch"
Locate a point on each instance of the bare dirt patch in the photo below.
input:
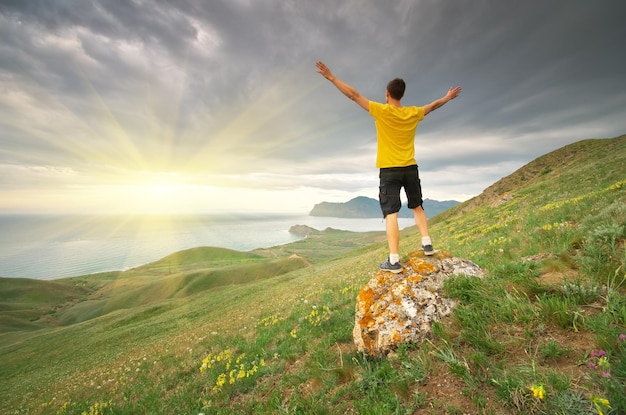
(558, 277)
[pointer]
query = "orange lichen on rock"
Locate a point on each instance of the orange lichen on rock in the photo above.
(414, 279)
(365, 301)
(421, 266)
(365, 298)
(382, 277)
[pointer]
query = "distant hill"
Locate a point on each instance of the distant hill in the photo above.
(366, 207)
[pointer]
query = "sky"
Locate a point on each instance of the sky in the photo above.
(193, 106)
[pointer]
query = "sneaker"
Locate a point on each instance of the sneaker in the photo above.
(428, 250)
(388, 266)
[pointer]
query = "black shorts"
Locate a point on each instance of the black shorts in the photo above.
(392, 179)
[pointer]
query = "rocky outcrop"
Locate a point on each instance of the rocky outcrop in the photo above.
(303, 230)
(399, 308)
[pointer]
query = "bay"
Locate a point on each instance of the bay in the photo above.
(51, 247)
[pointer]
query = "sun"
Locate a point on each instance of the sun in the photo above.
(161, 189)
(156, 193)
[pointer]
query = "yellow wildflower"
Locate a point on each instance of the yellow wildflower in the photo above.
(599, 403)
(603, 362)
(221, 380)
(252, 371)
(616, 186)
(538, 391)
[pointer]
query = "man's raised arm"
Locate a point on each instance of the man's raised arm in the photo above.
(345, 89)
(452, 93)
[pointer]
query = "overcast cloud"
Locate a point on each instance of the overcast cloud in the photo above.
(222, 98)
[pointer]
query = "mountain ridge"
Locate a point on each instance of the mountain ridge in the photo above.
(366, 207)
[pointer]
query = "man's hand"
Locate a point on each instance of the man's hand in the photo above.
(323, 69)
(344, 88)
(453, 92)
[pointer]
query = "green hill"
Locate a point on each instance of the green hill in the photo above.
(27, 304)
(215, 331)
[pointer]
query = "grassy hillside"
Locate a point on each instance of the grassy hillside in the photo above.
(27, 304)
(270, 331)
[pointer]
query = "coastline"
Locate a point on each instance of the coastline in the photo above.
(49, 247)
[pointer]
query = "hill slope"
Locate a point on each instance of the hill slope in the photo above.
(526, 339)
(562, 168)
(27, 304)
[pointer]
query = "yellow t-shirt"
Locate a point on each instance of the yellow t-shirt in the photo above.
(395, 131)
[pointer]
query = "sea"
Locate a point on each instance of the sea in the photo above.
(48, 247)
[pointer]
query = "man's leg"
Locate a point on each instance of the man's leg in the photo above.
(393, 233)
(413, 187)
(393, 239)
(389, 197)
(420, 220)
(422, 224)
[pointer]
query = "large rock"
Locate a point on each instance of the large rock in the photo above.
(399, 308)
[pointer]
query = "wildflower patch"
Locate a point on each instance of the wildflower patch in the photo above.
(615, 186)
(316, 318)
(270, 321)
(229, 369)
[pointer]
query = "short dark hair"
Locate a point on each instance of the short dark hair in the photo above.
(396, 87)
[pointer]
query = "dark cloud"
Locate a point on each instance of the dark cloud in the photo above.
(230, 86)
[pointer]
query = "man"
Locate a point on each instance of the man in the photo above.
(395, 131)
